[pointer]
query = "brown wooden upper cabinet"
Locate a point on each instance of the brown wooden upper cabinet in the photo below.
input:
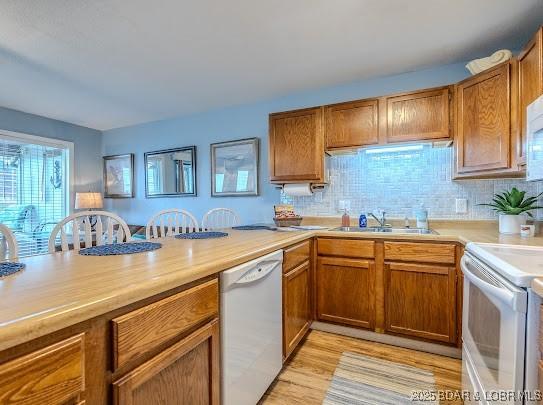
(484, 134)
(297, 146)
(530, 78)
(352, 124)
(419, 115)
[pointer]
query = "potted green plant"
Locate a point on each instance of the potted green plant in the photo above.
(512, 208)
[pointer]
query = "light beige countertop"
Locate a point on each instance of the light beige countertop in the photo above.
(59, 290)
(448, 230)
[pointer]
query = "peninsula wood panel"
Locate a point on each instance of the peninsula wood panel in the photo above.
(185, 373)
(420, 301)
(146, 328)
(52, 375)
(295, 255)
(418, 115)
(296, 306)
(346, 291)
(352, 124)
(297, 146)
(346, 247)
(530, 75)
(483, 117)
(420, 252)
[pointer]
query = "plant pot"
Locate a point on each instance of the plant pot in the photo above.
(510, 224)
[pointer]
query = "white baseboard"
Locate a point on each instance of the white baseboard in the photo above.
(389, 339)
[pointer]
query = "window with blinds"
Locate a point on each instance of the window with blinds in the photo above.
(34, 189)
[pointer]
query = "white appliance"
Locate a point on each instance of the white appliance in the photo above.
(251, 329)
(534, 140)
(500, 323)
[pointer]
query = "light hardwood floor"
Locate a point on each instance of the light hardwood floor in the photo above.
(306, 376)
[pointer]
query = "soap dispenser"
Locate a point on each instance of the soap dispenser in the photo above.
(422, 217)
(345, 219)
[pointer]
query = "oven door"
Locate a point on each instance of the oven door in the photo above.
(493, 329)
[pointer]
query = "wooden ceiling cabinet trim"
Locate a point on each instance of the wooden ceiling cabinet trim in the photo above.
(352, 124)
(297, 146)
(419, 115)
(530, 84)
(483, 117)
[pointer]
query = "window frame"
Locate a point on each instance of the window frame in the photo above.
(54, 143)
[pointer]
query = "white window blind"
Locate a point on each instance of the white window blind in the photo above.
(34, 190)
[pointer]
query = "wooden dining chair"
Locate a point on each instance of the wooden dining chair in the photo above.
(8, 249)
(92, 228)
(219, 218)
(170, 222)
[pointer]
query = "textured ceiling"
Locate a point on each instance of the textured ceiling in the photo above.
(112, 63)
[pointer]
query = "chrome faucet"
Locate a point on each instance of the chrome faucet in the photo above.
(382, 222)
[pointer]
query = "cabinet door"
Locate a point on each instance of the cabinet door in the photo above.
(345, 291)
(185, 373)
(420, 300)
(52, 375)
(483, 136)
(355, 123)
(297, 146)
(530, 74)
(296, 306)
(419, 115)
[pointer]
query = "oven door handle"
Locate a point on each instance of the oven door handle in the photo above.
(503, 294)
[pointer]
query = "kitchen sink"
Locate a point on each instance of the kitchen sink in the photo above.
(386, 229)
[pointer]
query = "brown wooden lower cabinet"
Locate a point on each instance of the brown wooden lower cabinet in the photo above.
(296, 306)
(185, 373)
(420, 300)
(52, 375)
(345, 291)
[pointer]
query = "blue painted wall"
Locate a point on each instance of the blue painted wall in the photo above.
(87, 143)
(240, 122)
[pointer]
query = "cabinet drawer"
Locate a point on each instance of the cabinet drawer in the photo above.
(52, 375)
(296, 255)
(420, 252)
(346, 247)
(146, 328)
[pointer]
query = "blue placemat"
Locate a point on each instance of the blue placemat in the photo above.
(201, 235)
(8, 268)
(253, 227)
(120, 249)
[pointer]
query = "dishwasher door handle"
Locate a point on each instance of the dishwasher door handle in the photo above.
(257, 272)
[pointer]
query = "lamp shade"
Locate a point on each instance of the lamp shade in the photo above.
(88, 200)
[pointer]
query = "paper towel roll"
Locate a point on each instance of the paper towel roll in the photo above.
(297, 189)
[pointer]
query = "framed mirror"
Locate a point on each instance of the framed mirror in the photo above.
(171, 172)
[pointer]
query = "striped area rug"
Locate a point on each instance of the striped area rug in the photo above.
(360, 379)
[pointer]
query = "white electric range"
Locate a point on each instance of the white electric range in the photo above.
(500, 323)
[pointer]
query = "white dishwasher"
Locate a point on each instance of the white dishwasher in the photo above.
(251, 329)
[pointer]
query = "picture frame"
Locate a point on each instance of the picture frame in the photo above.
(171, 173)
(119, 176)
(235, 168)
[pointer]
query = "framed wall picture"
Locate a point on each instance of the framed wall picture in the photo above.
(119, 176)
(234, 168)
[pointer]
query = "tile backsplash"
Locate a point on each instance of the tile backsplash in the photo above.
(399, 181)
